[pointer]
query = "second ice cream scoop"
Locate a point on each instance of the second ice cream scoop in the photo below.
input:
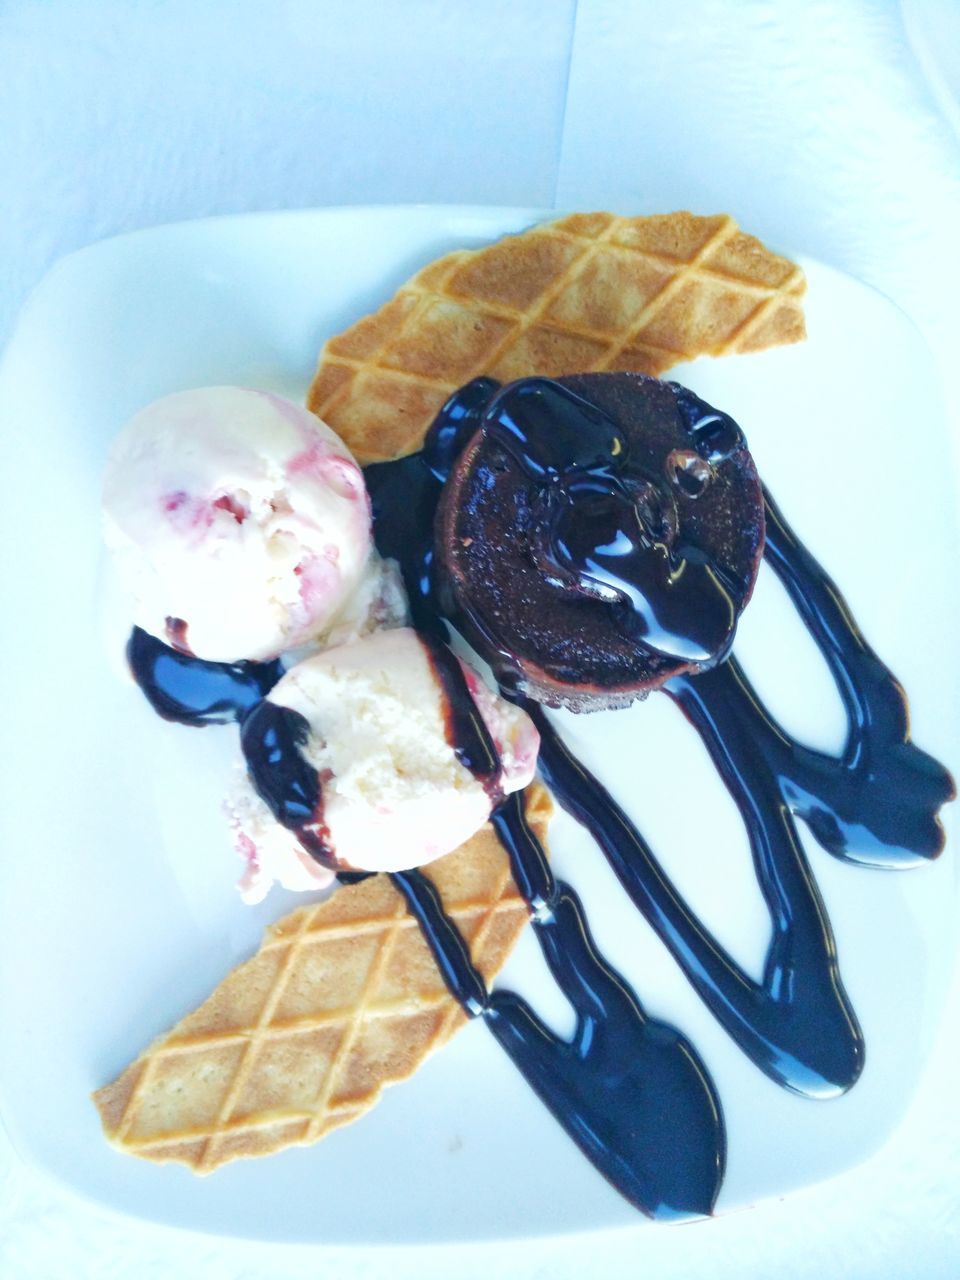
(357, 753)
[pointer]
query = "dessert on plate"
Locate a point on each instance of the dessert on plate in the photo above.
(594, 534)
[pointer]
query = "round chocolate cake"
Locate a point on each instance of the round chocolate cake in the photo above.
(597, 535)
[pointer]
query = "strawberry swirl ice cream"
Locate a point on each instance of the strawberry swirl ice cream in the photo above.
(241, 525)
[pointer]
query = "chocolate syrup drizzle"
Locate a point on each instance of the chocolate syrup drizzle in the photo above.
(193, 691)
(607, 528)
(631, 1091)
(271, 737)
(465, 728)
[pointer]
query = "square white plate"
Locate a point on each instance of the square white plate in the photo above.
(118, 913)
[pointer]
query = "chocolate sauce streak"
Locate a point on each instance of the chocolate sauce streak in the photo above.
(629, 1090)
(456, 422)
(403, 497)
(272, 738)
(445, 940)
(797, 1024)
(465, 729)
(715, 434)
(877, 804)
(191, 691)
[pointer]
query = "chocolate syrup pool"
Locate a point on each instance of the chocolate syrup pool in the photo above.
(632, 1091)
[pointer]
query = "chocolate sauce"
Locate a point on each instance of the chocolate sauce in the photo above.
(629, 1090)
(403, 497)
(445, 941)
(272, 738)
(551, 432)
(466, 731)
(876, 804)
(192, 691)
(797, 1024)
(715, 435)
(456, 422)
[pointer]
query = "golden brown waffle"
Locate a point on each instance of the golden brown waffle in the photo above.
(341, 999)
(590, 291)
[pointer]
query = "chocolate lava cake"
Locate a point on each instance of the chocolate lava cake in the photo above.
(597, 535)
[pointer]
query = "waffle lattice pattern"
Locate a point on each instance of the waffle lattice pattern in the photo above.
(341, 999)
(589, 292)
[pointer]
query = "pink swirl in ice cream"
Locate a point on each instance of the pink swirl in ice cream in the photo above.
(240, 523)
(372, 725)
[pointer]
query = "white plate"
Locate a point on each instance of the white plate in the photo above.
(118, 912)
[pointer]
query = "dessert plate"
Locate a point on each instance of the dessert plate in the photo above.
(119, 914)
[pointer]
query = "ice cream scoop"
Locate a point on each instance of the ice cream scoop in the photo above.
(240, 523)
(359, 755)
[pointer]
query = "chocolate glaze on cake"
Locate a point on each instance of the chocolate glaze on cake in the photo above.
(597, 534)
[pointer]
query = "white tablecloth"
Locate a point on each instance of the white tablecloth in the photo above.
(828, 127)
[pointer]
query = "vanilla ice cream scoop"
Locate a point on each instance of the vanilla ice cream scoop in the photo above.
(379, 755)
(239, 521)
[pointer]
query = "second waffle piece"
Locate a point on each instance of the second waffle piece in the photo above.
(342, 999)
(589, 292)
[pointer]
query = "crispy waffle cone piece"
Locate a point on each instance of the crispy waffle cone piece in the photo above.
(341, 999)
(592, 291)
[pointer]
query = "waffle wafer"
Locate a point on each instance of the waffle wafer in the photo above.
(592, 291)
(342, 999)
